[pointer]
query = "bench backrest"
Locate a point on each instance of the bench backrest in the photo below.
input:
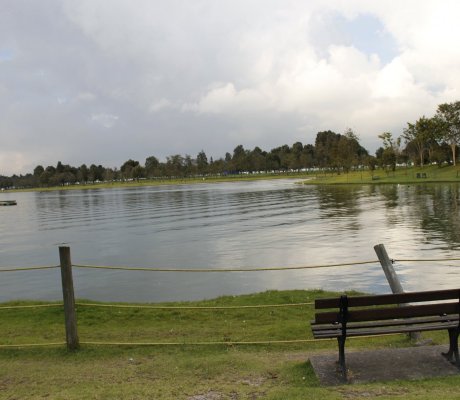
(404, 311)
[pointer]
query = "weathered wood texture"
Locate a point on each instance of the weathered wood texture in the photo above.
(69, 299)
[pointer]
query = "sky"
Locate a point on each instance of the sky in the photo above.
(104, 81)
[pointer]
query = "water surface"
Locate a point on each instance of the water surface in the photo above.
(228, 225)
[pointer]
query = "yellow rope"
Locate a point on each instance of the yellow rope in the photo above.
(221, 270)
(31, 306)
(216, 343)
(201, 343)
(32, 345)
(229, 343)
(27, 268)
(194, 308)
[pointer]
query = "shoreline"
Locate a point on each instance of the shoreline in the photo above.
(402, 175)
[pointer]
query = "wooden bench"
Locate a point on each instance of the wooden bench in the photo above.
(386, 314)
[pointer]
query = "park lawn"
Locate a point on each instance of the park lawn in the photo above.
(184, 369)
(402, 175)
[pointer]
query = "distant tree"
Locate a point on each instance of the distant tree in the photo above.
(239, 162)
(273, 161)
(202, 162)
(38, 170)
(419, 134)
(308, 156)
(45, 177)
(371, 163)
(109, 175)
(379, 153)
(151, 166)
(189, 166)
(283, 156)
(137, 172)
(127, 168)
(387, 154)
(349, 151)
(258, 159)
(174, 165)
(82, 174)
(59, 167)
(96, 173)
(448, 118)
(326, 149)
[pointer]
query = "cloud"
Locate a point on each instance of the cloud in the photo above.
(180, 77)
(226, 99)
(161, 104)
(105, 120)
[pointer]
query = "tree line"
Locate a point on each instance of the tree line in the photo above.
(427, 140)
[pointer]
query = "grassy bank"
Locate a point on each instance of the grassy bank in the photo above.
(412, 175)
(186, 371)
(402, 175)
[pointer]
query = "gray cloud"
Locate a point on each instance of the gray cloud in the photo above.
(103, 81)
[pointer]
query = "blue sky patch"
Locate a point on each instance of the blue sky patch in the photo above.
(365, 32)
(6, 55)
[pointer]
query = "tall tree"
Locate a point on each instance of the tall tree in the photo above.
(326, 148)
(448, 115)
(127, 168)
(419, 135)
(202, 162)
(387, 154)
(151, 165)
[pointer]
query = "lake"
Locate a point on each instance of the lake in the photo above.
(267, 223)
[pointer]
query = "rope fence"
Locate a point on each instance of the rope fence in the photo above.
(250, 269)
(30, 306)
(204, 270)
(14, 269)
(69, 304)
(195, 307)
(213, 343)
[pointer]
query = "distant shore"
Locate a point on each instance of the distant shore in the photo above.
(402, 175)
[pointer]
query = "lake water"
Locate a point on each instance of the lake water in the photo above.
(229, 225)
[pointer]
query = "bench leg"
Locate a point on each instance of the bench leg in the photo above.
(452, 355)
(342, 365)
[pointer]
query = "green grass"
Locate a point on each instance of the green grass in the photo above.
(186, 371)
(402, 175)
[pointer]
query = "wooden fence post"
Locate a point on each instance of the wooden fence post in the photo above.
(69, 299)
(391, 276)
(388, 269)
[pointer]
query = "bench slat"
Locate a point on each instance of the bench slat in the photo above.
(353, 332)
(398, 298)
(373, 324)
(373, 314)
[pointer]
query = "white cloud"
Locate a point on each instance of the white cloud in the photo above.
(161, 104)
(226, 99)
(105, 120)
(85, 96)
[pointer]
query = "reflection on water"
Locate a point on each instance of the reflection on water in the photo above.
(244, 224)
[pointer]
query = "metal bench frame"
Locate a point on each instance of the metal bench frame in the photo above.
(387, 314)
